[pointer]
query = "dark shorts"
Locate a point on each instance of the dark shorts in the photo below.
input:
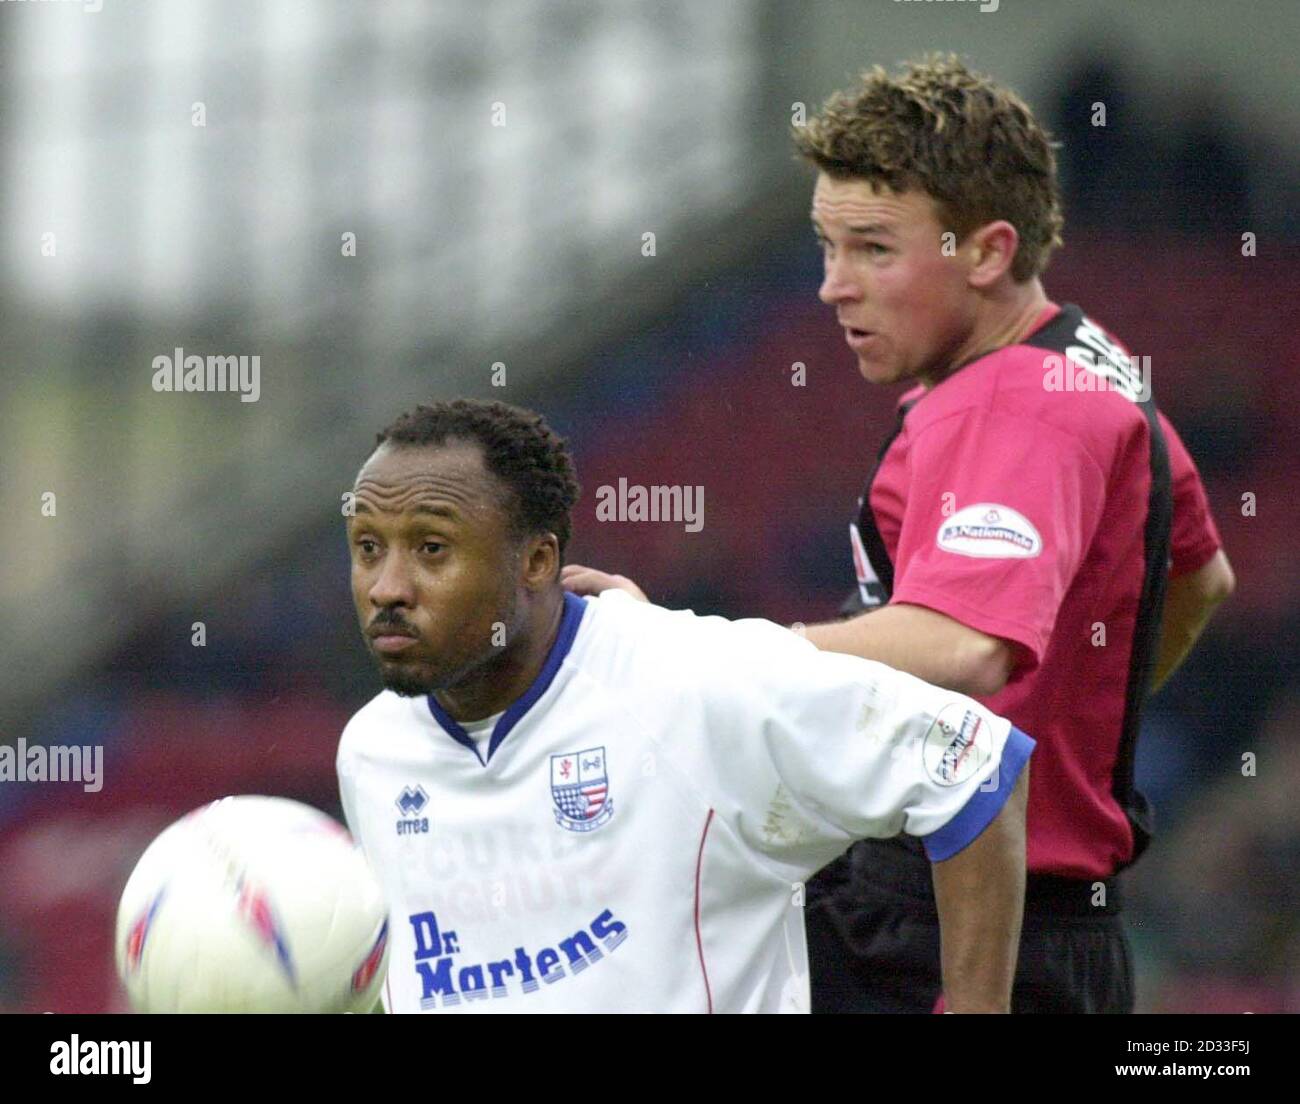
(873, 939)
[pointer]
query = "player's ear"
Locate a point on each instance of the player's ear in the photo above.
(993, 248)
(541, 561)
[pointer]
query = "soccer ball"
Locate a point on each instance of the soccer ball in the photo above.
(252, 904)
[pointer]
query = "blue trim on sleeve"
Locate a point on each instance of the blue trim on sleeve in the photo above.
(984, 805)
(574, 608)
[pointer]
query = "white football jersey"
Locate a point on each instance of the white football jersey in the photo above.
(635, 835)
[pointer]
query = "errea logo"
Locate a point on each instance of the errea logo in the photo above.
(989, 531)
(412, 800)
(410, 803)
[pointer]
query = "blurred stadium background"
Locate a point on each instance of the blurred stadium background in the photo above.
(522, 245)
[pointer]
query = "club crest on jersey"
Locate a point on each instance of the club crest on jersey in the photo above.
(580, 790)
(989, 531)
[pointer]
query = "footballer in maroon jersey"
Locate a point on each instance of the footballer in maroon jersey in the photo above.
(1033, 533)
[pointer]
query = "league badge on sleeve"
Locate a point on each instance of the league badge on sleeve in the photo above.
(989, 531)
(957, 745)
(580, 790)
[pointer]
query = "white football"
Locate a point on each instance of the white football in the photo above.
(252, 904)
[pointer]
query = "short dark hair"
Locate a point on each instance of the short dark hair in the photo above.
(519, 448)
(969, 143)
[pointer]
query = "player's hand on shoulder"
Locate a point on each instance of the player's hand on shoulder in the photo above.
(587, 580)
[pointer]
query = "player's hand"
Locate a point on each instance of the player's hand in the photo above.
(587, 580)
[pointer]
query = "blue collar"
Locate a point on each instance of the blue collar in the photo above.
(574, 608)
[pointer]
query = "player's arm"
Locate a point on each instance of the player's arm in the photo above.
(857, 750)
(1190, 601)
(924, 643)
(909, 638)
(1200, 576)
(968, 621)
(980, 893)
(978, 856)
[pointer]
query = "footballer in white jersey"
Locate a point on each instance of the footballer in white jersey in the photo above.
(600, 805)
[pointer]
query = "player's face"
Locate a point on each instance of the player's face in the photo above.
(904, 306)
(434, 565)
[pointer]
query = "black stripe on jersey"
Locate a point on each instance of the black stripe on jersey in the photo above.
(1057, 335)
(1146, 635)
(872, 542)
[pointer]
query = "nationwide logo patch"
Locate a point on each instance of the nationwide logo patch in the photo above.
(958, 744)
(580, 790)
(989, 531)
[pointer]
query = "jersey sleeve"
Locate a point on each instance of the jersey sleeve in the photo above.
(812, 750)
(1194, 537)
(999, 517)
